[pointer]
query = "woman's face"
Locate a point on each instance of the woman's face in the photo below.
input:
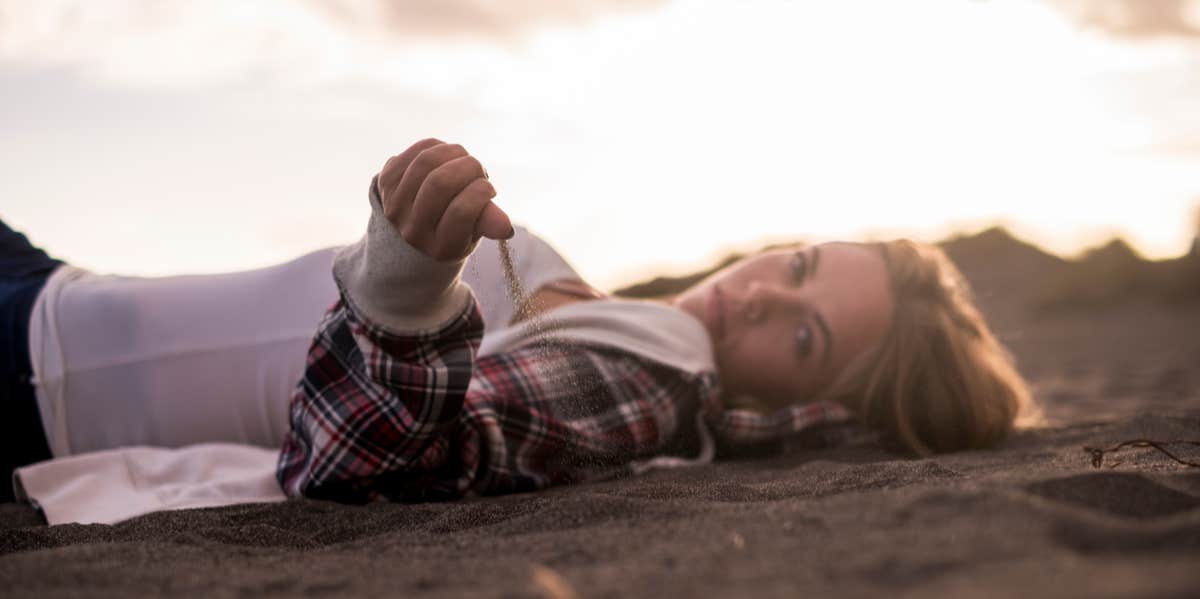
(785, 323)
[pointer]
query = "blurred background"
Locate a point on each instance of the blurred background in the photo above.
(639, 136)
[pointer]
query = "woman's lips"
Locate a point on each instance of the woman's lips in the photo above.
(716, 307)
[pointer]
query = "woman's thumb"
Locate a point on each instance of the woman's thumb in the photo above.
(493, 223)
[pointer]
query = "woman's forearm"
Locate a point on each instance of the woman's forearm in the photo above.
(393, 284)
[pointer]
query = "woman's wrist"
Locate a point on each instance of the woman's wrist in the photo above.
(393, 284)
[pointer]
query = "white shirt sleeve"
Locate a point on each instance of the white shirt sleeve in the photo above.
(395, 285)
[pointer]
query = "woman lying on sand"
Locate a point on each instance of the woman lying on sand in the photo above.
(425, 382)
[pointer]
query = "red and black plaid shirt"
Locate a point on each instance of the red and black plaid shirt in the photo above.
(416, 417)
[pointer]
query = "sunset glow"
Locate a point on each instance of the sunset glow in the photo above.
(162, 137)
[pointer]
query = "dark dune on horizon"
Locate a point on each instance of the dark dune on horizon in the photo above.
(1027, 277)
(1107, 340)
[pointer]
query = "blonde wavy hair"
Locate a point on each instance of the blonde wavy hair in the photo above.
(939, 381)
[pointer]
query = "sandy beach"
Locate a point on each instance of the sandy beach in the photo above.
(1032, 517)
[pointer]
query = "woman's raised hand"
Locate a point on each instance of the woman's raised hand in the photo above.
(440, 200)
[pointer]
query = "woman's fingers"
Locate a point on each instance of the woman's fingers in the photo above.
(440, 200)
(426, 161)
(393, 170)
(457, 231)
(494, 223)
(439, 189)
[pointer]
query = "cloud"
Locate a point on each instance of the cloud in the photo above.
(160, 44)
(1136, 19)
(502, 19)
(181, 43)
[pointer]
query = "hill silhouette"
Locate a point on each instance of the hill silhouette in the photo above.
(1012, 277)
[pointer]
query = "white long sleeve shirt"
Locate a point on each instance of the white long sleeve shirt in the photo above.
(173, 361)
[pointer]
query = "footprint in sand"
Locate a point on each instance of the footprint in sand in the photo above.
(1121, 494)
(1137, 500)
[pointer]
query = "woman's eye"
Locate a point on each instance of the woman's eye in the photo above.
(799, 266)
(804, 341)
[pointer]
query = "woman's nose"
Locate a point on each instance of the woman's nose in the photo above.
(762, 299)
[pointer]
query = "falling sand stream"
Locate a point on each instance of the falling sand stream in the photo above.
(586, 394)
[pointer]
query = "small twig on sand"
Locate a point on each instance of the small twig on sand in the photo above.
(551, 584)
(1098, 454)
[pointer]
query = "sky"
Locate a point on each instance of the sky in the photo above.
(153, 137)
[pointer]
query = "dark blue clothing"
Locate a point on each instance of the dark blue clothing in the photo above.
(23, 272)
